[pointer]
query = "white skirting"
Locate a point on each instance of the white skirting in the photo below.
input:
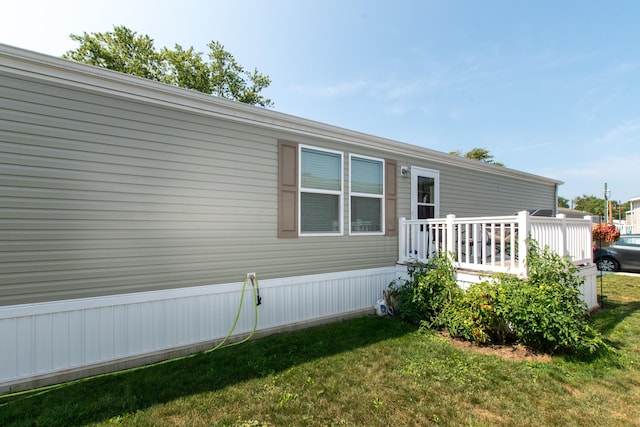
(50, 342)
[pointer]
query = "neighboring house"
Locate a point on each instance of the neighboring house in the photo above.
(132, 211)
(574, 213)
(633, 217)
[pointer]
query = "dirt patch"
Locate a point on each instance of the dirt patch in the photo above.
(509, 352)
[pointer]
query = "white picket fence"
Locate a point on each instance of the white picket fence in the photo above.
(494, 244)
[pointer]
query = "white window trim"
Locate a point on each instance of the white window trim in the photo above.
(340, 193)
(432, 173)
(369, 195)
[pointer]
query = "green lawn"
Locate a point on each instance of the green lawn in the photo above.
(365, 372)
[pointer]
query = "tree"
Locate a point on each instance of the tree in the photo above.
(125, 51)
(186, 68)
(563, 202)
(480, 154)
(591, 204)
(121, 50)
(596, 206)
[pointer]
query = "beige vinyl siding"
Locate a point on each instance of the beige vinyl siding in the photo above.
(471, 193)
(112, 184)
(466, 192)
(104, 195)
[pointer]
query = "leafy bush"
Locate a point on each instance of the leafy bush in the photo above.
(544, 312)
(474, 316)
(424, 296)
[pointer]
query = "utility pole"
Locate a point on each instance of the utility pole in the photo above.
(606, 204)
(619, 207)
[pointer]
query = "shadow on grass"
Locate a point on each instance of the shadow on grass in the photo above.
(102, 398)
(605, 322)
(613, 314)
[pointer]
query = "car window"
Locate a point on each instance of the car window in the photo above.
(629, 241)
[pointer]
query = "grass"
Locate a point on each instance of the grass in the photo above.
(365, 372)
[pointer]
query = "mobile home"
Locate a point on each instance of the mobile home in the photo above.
(132, 211)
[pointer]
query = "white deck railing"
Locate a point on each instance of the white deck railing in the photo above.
(494, 244)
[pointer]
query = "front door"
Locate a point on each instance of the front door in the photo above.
(425, 204)
(425, 193)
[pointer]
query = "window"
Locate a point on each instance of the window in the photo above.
(426, 197)
(320, 191)
(366, 195)
(629, 241)
(311, 193)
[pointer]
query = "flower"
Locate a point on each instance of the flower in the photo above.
(606, 232)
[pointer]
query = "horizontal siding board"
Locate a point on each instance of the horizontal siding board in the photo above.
(102, 139)
(124, 174)
(99, 218)
(51, 100)
(470, 193)
(106, 191)
(96, 281)
(50, 206)
(124, 156)
(36, 261)
(25, 190)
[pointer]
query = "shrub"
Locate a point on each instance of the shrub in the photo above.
(475, 316)
(422, 298)
(544, 312)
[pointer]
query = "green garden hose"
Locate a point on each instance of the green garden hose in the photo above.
(257, 299)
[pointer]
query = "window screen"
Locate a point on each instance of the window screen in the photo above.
(367, 191)
(320, 191)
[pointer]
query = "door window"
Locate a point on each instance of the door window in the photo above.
(425, 193)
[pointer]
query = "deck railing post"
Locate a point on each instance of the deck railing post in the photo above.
(588, 235)
(524, 229)
(402, 241)
(563, 247)
(450, 234)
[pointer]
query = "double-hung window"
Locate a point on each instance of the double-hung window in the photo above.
(321, 191)
(366, 195)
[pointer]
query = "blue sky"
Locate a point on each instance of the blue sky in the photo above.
(548, 87)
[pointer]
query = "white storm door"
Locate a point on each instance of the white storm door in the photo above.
(425, 204)
(425, 193)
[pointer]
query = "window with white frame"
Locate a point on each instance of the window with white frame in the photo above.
(366, 194)
(320, 191)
